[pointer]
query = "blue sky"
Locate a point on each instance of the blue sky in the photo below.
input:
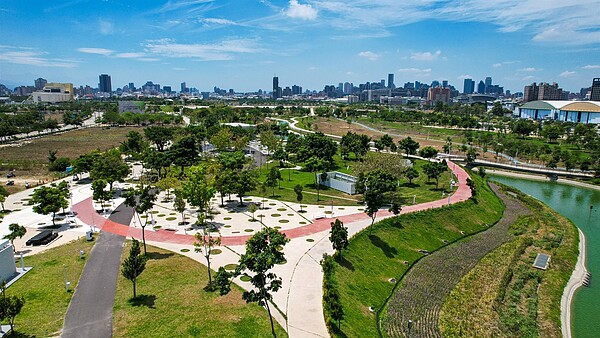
(242, 44)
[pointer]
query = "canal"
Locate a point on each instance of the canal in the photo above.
(582, 206)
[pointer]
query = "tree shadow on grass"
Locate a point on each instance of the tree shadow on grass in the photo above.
(17, 334)
(143, 300)
(389, 251)
(347, 264)
(157, 256)
(409, 185)
(337, 332)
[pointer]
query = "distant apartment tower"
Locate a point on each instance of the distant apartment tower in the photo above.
(184, 88)
(530, 93)
(469, 86)
(276, 90)
(550, 92)
(40, 83)
(105, 85)
(131, 87)
(435, 94)
(391, 84)
(595, 92)
(296, 90)
(445, 83)
(488, 81)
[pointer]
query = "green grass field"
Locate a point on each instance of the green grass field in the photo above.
(46, 299)
(370, 261)
(173, 304)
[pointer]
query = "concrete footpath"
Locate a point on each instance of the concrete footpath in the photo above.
(575, 282)
(91, 309)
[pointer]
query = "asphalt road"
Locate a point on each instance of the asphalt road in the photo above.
(91, 308)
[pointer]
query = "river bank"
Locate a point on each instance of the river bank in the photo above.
(580, 270)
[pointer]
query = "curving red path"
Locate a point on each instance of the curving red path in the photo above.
(87, 214)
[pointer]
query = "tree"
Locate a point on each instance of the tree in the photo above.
(204, 244)
(134, 265)
(317, 145)
(333, 304)
(224, 182)
(99, 192)
(222, 140)
(142, 201)
(109, 167)
(375, 185)
(428, 152)
(159, 135)
(199, 189)
(434, 170)
(134, 145)
(411, 173)
(252, 209)
(183, 153)
(273, 178)
(552, 131)
(10, 306)
(3, 195)
(263, 251)
(298, 190)
(522, 127)
(49, 200)
(409, 146)
(179, 205)
(314, 165)
(167, 183)
(16, 231)
(244, 182)
(338, 237)
(471, 155)
(269, 140)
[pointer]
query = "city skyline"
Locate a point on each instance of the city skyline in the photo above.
(309, 43)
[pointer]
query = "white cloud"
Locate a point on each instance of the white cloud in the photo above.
(528, 78)
(300, 11)
(179, 69)
(32, 57)
(567, 73)
(106, 27)
(426, 56)
(312, 68)
(130, 55)
(224, 50)
(369, 55)
(553, 22)
(529, 70)
(591, 67)
(415, 71)
(99, 51)
(217, 21)
(462, 77)
(503, 63)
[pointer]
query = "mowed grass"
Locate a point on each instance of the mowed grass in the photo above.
(46, 300)
(419, 191)
(172, 303)
(370, 261)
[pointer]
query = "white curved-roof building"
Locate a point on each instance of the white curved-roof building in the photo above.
(566, 111)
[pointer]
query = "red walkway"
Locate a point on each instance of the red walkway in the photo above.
(87, 214)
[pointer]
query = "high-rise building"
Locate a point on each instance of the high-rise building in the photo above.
(296, 90)
(184, 88)
(469, 86)
(445, 83)
(391, 84)
(595, 92)
(543, 91)
(530, 93)
(435, 83)
(40, 83)
(435, 94)
(131, 87)
(481, 87)
(167, 89)
(276, 87)
(488, 81)
(104, 85)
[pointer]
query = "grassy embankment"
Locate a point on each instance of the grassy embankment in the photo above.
(370, 261)
(43, 288)
(509, 296)
(172, 303)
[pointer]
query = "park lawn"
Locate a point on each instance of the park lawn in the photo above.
(173, 303)
(43, 288)
(420, 191)
(32, 157)
(518, 299)
(371, 260)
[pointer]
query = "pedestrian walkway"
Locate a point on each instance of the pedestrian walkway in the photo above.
(91, 308)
